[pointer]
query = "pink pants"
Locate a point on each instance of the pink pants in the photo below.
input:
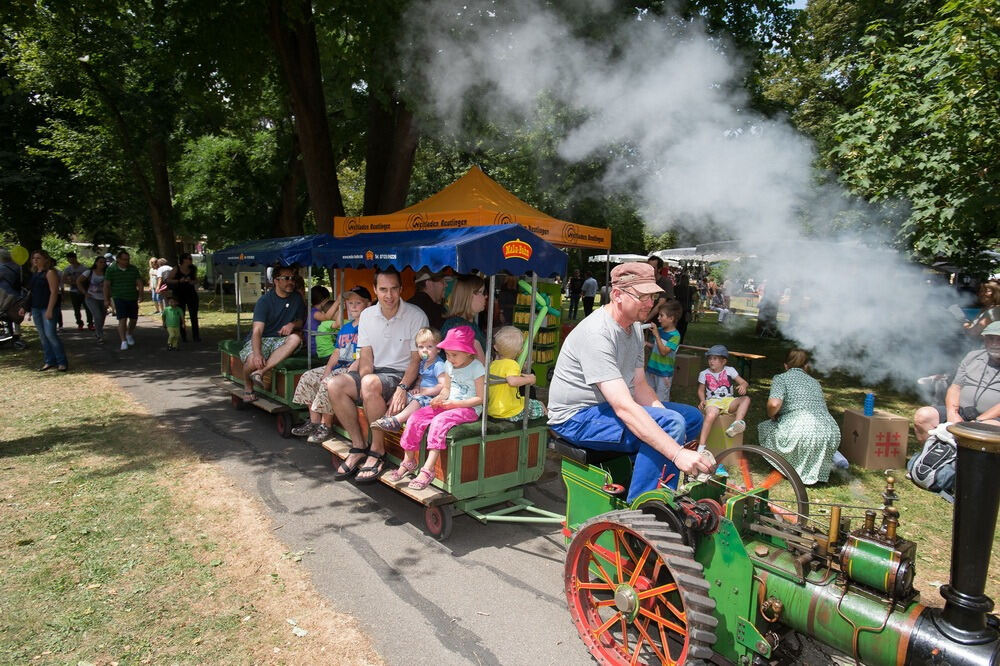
(436, 423)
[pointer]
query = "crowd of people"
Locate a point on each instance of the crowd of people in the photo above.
(418, 367)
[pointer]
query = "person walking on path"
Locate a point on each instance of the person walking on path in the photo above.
(123, 290)
(77, 298)
(588, 291)
(173, 320)
(575, 287)
(183, 281)
(91, 283)
(154, 286)
(44, 288)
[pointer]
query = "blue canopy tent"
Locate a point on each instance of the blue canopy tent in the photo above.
(504, 248)
(270, 251)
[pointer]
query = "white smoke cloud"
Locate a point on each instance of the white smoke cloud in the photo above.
(666, 101)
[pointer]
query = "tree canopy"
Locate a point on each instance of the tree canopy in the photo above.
(144, 121)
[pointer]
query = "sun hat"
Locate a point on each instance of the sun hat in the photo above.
(357, 291)
(718, 350)
(635, 275)
(992, 329)
(460, 338)
(425, 274)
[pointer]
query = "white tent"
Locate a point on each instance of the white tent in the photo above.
(616, 258)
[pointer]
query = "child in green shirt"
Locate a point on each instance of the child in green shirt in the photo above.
(173, 320)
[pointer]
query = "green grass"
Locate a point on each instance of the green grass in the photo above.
(110, 550)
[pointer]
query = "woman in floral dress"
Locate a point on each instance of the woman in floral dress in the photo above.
(800, 427)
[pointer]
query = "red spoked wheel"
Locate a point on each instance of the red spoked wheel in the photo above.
(636, 594)
(438, 520)
(283, 422)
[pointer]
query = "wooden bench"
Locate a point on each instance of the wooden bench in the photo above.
(745, 360)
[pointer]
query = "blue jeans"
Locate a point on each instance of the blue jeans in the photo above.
(52, 347)
(600, 429)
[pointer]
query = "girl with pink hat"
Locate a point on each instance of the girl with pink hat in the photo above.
(460, 401)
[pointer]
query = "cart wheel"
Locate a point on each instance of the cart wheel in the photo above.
(237, 401)
(636, 594)
(283, 421)
(439, 521)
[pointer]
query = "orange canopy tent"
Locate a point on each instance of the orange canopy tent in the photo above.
(475, 199)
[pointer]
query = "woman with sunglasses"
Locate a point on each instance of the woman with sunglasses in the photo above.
(467, 300)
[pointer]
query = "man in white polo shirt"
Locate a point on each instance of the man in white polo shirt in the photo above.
(387, 368)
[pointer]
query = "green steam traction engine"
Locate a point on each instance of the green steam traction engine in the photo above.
(727, 565)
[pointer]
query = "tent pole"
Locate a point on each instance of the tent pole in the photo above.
(310, 337)
(488, 351)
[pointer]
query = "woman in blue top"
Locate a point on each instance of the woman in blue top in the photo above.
(44, 288)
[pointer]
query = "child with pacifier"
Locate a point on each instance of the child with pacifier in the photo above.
(505, 401)
(663, 345)
(431, 380)
(460, 401)
(716, 388)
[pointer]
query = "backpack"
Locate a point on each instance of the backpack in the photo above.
(933, 468)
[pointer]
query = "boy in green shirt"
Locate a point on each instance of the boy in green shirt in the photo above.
(173, 319)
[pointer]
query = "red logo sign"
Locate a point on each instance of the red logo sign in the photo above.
(516, 249)
(887, 445)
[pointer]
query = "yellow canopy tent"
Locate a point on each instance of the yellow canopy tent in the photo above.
(475, 199)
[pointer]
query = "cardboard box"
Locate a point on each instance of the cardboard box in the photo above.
(686, 369)
(717, 440)
(874, 442)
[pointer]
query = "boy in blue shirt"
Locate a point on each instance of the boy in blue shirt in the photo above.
(664, 341)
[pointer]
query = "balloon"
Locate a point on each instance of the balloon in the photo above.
(19, 254)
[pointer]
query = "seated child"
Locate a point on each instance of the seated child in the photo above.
(715, 391)
(312, 386)
(720, 305)
(460, 401)
(665, 341)
(431, 374)
(505, 401)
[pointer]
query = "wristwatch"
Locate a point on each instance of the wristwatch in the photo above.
(404, 386)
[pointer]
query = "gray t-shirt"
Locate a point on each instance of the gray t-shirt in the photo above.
(979, 380)
(597, 350)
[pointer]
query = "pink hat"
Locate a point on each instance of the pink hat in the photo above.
(460, 338)
(636, 275)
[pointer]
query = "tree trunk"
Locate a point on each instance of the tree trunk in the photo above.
(288, 221)
(161, 207)
(392, 143)
(293, 34)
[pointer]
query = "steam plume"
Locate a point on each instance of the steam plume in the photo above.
(666, 101)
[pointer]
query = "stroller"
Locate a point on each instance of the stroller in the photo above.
(10, 319)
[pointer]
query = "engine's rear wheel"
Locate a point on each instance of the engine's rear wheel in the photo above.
(636, 594)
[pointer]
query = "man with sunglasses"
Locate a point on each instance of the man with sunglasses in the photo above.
(599, 397)
(277, 319)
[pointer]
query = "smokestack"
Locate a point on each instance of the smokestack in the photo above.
(976, 501)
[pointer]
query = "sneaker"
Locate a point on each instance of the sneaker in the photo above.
(305, 429)
(90, 327)
(79, 327)
(319, 435)
(100, 340)
(736, 428)
(129, 340)
(124, 346)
